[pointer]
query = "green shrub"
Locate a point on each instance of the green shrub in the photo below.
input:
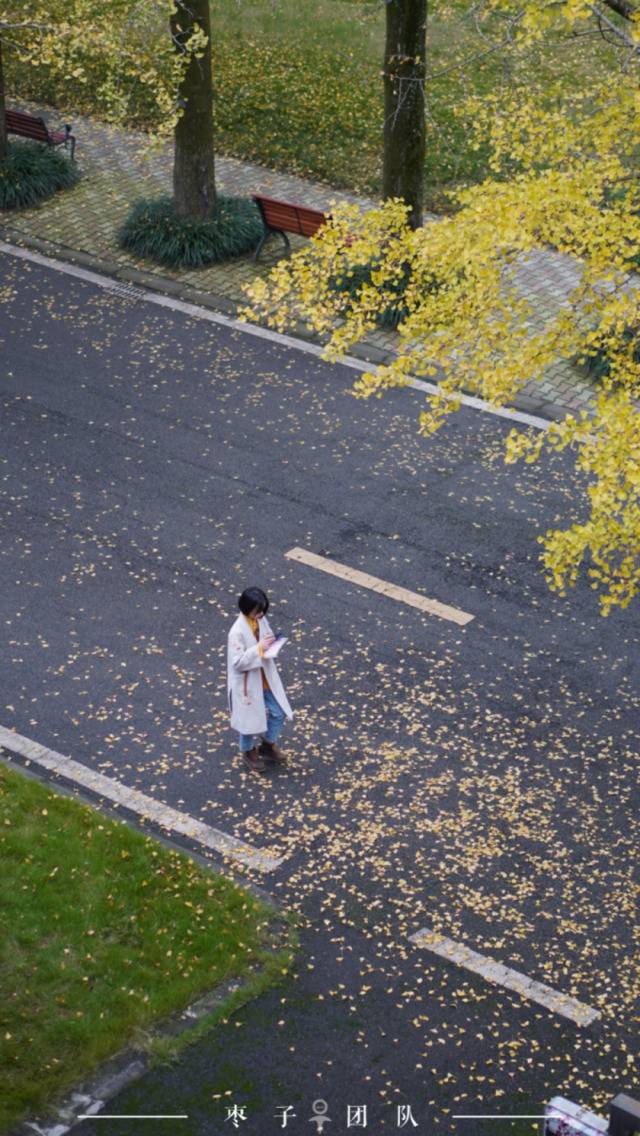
(31, 172)
(154, 231)
(597, 361)
(352, 281)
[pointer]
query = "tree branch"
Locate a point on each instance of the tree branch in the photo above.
(27, 24)
(617, 31)
(624, 8)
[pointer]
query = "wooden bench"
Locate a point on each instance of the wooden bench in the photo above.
(29, 126)
(282, 217)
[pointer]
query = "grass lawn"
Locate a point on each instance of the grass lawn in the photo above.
(104, 931)
(298, 86)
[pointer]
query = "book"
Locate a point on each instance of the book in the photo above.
(275, 648)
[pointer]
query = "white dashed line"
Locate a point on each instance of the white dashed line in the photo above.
(383, 587)
(172, 820)
(488, 968)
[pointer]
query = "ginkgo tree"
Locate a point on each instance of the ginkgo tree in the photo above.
(70, 36)
(563, 177)
(61, 35)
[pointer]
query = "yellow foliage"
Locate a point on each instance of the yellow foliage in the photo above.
(563, 177)
(61, 34)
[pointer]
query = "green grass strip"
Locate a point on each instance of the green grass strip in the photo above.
(104, 932)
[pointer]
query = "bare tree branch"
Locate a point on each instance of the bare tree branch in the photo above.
(26, 24)
(624, 8)
(619, 32)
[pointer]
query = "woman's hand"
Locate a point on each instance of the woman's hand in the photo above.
(264, 644)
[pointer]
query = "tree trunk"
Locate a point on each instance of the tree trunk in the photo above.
(3, 124)
(194, 187)
(404, 117)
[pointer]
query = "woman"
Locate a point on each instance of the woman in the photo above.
(257, 701)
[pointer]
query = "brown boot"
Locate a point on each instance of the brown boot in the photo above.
(272, 753)
(253, 761)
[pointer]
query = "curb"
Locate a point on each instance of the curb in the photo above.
(222, 305)
(127, 1066)
(154, 282)
(131, 1063)
(209, 860)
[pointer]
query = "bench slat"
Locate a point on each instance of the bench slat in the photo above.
(280, 213)
(26, 124)
(279, 218)
(296, 218)
(30, 132)
(30, 126)
(310, 222)
(21, 116)
(285, 217)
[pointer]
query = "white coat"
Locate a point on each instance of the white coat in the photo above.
(244, 679)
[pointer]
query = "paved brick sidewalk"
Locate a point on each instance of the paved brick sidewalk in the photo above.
(116, 172)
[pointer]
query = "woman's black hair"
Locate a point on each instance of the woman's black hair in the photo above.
(252, 598)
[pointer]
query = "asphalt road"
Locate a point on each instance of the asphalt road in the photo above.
(480, 780)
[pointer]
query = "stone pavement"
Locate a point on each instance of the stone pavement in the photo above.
(82, 224)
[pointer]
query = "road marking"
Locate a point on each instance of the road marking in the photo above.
(546, 996)
(145, 807)
(374, 584)
(107, 282)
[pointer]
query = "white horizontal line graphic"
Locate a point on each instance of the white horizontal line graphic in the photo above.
(493, 971)
(382, 587)
(146, 807)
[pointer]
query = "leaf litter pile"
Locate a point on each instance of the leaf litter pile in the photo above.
(478, 781)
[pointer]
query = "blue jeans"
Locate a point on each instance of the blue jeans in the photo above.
(275, 722)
